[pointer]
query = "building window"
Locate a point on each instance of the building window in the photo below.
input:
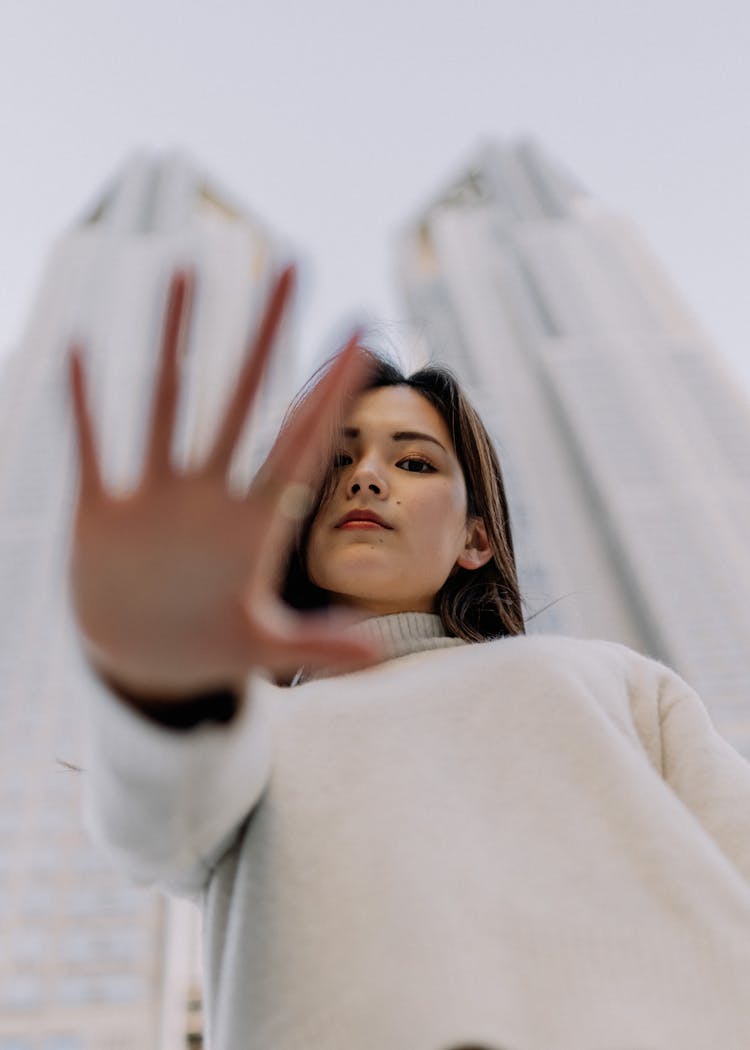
(107, 901)
(123, 945)
(112, 988)
(38, 900)
(21, 992)
(63, 1041)
(32, 945)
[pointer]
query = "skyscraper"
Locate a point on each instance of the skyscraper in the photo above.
(87, 961)
(625, 439)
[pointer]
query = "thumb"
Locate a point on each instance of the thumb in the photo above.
(325, 638)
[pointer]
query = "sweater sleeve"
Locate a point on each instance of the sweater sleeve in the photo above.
(164, 804)
(706, 772)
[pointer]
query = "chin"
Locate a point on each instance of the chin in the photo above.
(360, 574)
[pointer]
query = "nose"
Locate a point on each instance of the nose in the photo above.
(365, 476)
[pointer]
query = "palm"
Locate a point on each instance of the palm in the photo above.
(175, 585)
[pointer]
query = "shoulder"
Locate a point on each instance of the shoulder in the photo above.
(565, 651)
(547, 666)
(535, 656)
(557, 663)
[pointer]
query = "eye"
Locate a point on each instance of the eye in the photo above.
(341, 459)
(415, 465)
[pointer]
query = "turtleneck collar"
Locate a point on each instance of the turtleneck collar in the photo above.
(398, 635)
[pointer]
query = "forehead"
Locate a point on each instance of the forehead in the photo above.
(393, 408)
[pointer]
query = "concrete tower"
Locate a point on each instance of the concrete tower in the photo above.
(88, 962)
(625, 439)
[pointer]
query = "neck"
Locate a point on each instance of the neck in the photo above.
(371, 607)
(399, 634)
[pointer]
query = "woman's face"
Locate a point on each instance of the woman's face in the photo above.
(395, 461)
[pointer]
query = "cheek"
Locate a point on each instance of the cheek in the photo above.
(312, 552)
(441, 516)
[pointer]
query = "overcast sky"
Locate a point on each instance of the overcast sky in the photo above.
(337, 120)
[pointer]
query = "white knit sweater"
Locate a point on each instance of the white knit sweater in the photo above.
(539, 843)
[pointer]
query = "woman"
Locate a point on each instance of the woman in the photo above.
(533, 842)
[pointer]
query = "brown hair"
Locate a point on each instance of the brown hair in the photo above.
(473, 604)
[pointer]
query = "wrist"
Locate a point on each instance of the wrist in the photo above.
(180, 710)
(219, 706)
(179, 705)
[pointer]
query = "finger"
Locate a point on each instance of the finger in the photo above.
(290, 640)
(298, 454)
(251, 374)
(164, 406)
(298, 458)
(90, 483)
(321, 641)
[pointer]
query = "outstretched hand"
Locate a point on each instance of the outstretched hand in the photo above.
(176, 584)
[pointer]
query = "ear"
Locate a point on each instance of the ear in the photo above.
(477, 551)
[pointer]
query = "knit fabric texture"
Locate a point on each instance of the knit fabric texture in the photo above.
(533, 843)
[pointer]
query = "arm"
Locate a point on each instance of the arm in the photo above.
(708, 775)
(164, 805)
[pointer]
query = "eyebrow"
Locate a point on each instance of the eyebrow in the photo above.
(400, 435)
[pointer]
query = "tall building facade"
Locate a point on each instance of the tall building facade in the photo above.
(88, 961)
(624, 438)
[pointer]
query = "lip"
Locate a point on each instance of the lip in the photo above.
(362, 519)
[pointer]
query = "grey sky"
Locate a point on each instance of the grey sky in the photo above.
(336, 121)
